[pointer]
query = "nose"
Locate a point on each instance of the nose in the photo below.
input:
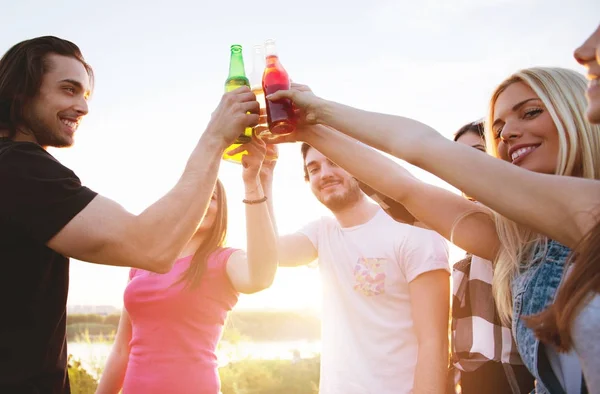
(81, 107)
(326, 171)
(510, 132)
(590, 49)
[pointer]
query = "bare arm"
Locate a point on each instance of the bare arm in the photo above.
(518, 194)
(293, 249)
(105, 233)
(563, 208)
(430, 300)
(116, 365)
(437, 208)
(255, 271)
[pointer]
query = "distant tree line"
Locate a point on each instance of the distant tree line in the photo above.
(251, 325)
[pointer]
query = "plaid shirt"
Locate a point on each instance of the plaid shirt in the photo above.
(478, 335)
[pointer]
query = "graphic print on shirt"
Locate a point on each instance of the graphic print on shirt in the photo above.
(369, 276)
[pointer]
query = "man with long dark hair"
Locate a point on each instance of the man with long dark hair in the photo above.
(47, 216)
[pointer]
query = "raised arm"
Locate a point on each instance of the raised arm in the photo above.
(105, 233)
(293, 249)
(255, 270)
(518, 194)
(468, 224)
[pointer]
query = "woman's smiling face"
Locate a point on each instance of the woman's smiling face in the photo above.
(526, 133)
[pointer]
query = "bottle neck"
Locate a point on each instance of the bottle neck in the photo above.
(270, 48)
(258, 67)
(258, 64)
(272, 60)
(236, 66)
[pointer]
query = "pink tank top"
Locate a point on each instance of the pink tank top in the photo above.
(175, 331)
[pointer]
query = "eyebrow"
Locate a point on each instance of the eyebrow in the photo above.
(311, 163)
(75, 83)
(516, 107)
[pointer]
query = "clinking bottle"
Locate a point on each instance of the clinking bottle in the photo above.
(280, 113)
(237, 77)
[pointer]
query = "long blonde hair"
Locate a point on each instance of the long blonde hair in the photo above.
(562, 92)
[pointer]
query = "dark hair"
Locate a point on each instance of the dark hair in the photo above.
(304, 149)
(553, 325)
(214, 241)
(21, 70)
(476, 127)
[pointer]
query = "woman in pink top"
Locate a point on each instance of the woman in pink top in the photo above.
(171, 322)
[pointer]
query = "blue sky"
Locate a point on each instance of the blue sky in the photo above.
(160, 69)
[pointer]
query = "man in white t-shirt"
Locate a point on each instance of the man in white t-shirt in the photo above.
(385, 289)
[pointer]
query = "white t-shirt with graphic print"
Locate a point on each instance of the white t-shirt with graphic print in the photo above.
(368, 340)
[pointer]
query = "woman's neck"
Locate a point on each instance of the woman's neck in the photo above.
(192, 246)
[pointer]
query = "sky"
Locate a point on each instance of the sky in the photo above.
(160, 68)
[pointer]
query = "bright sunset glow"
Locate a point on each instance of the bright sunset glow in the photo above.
(160, 72)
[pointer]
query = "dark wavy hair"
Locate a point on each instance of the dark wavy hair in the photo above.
(21, 70)
(475, 127)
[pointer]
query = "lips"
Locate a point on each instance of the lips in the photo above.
(71, 123)
(329, 185)
(518, 153)
(593, 86)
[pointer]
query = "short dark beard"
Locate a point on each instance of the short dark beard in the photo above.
(349, 198)
(43, 134)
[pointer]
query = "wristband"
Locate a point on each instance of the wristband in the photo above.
(255, 201)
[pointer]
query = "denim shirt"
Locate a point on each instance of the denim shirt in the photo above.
(533, 290)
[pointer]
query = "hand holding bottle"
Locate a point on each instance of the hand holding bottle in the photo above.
(305, 102)
(237, 110)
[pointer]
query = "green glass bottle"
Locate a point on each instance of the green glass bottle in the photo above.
(237, 77)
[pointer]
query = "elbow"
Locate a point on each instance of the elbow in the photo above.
(159, 263)
(260, 285)
(140, 252)
(261, 281)
(160, 266)
(266, 283)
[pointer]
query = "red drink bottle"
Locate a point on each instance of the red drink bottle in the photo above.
(280, 113)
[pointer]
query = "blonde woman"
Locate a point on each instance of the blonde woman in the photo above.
(536, 121)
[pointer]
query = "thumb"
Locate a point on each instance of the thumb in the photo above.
(281, 94)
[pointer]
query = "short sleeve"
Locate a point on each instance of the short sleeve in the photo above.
(132, 273)
(311, 231)
(424, 251)
(39, 195)
(218, 275)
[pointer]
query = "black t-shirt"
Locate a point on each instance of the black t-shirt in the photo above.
(38, 197)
